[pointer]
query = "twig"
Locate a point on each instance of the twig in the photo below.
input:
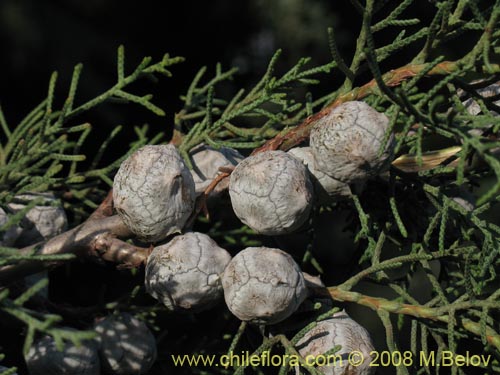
(417, 311)
(201, 202)
(112, 249)
(292, 137)
(105, 209)
(80, 241)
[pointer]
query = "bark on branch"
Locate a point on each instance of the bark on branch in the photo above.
(84, 240)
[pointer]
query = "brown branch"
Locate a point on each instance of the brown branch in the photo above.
(96, 237)
(106, 246)
(201, 202)
(296, 135)
(80, 241)
(289, 138)
(105, 209)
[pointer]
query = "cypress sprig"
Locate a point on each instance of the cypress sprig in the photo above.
(219, 119)
(440, 236)
(46, 140)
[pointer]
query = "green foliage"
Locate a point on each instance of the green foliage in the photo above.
(37, 322)
(270, 104)
(43, 151)
(408, 223)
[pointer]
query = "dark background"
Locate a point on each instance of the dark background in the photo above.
(40, 36)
